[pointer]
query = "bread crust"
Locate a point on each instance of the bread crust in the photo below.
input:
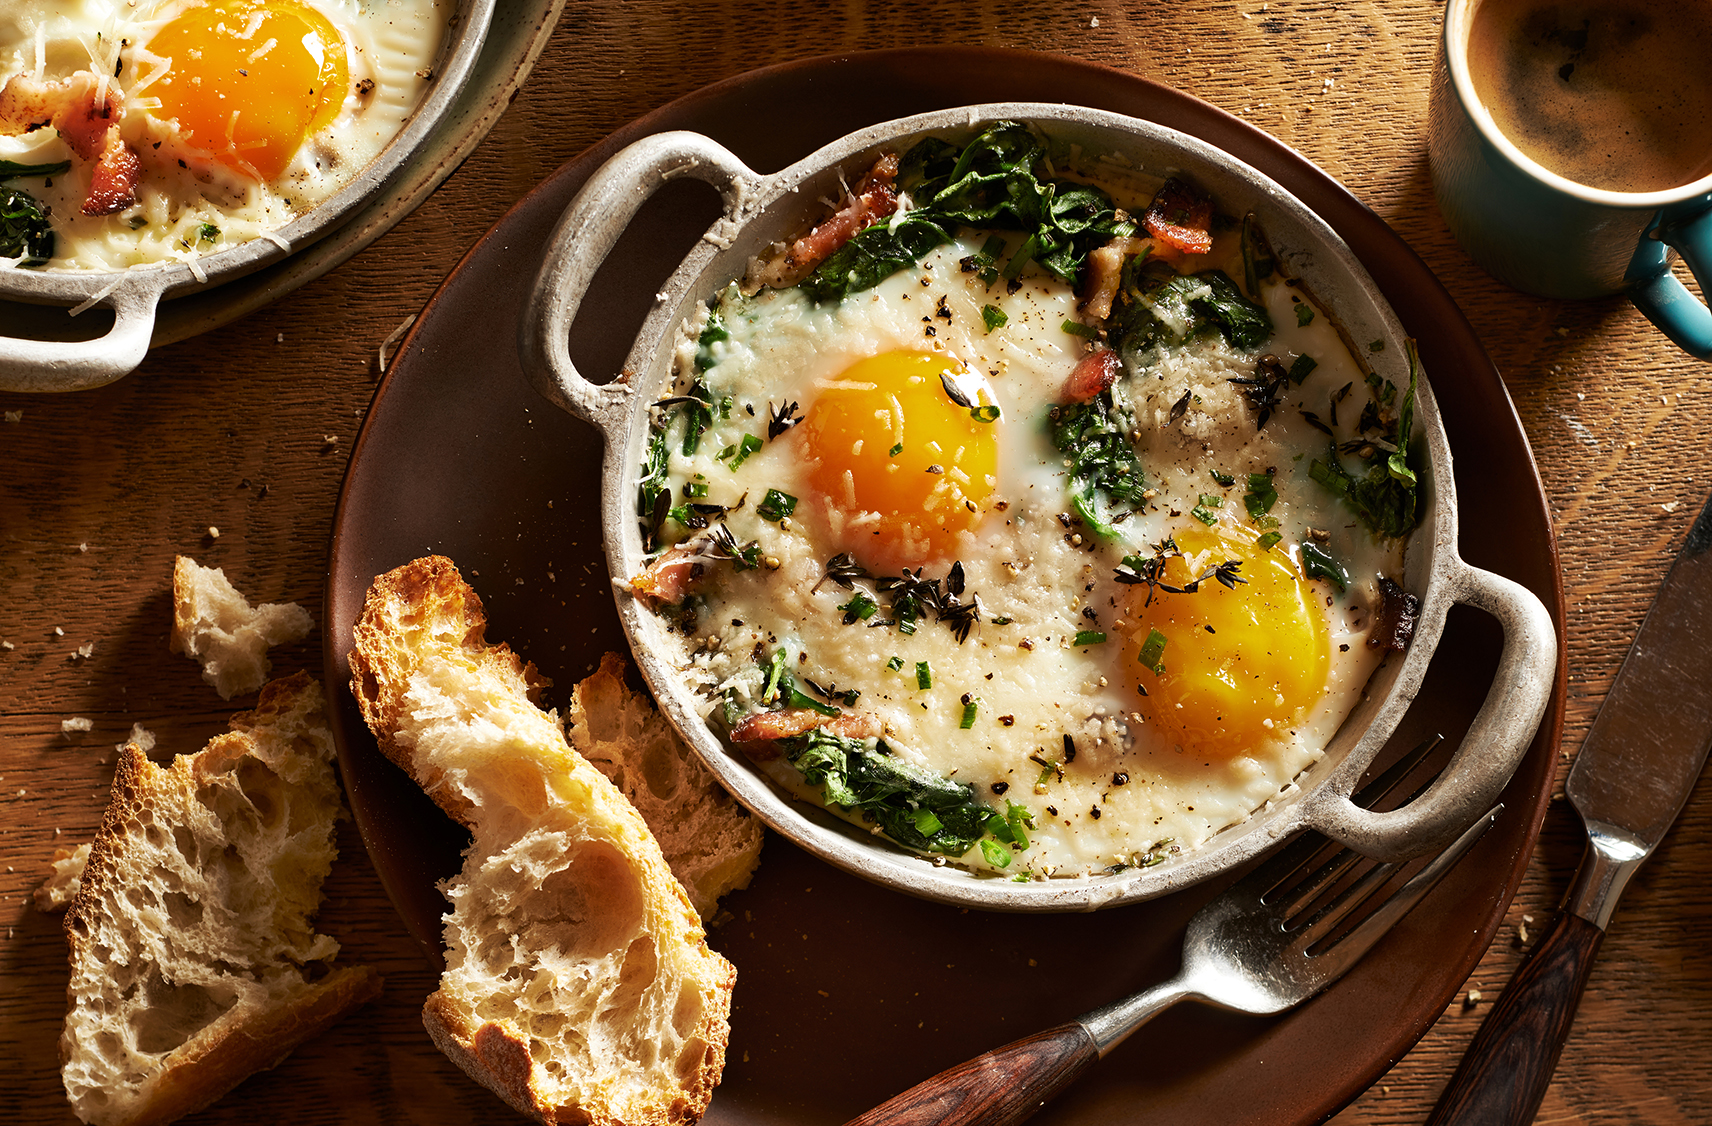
(251, 1034)
(431, 687)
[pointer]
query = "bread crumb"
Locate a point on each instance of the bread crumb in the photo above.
(217, 626)
(7, 645)
(58, 632)
(213, 532)
(83, 547)
(65, 875)
(14, 416)
(141, 736)
(75, 723)
(85, 651)
(1472, 999)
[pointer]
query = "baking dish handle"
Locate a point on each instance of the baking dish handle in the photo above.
(1496, 741)
(79, 365)
(586, 234)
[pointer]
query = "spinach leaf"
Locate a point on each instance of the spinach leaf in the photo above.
(990, 183)
(913, 807)
(1386, 497)
(1171, 309)
(1103, 462)
(11, 169)
(24, 229)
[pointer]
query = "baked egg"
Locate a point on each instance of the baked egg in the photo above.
(1050, 559)
(165, 130)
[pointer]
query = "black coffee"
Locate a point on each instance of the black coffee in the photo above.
(1614, 95)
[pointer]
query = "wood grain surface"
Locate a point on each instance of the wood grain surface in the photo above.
(248, 428)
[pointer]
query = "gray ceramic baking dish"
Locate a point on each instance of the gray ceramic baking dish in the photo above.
(133, 294)
(763, 209)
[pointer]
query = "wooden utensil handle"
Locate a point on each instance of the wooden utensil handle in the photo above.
(1507, 1068)
(998, 1088)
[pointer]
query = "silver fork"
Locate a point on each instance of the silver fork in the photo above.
(1271, 941)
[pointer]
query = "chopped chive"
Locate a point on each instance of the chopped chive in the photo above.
(1261, 496)
(1269, 539)
(775, 506)
(895, 664)
(859, 609)
(1302, 367)
(1077, 328)
(1212, 500)
(208, 232)
(923, 675)
(1018, 820)
(696, 489)
(1223, 478)
(1089, 637)
(971, 704)
(906, 626)
(1304, 314)
(997, 854)
(927, 822)
(988, 413)
(1376, 346)
(1152, 653)
(895, 450)
(1204, 514)
(1002, 621)
(775, 674)
(993, 317)
(736, 455)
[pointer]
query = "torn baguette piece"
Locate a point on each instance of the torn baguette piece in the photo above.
(579, 985)
(711, 842)
(194, 962)
(217, 626)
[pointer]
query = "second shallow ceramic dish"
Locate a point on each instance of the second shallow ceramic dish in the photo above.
(762, 210)
(33, 364)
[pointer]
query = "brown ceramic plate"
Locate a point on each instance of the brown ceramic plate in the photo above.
(848, 993)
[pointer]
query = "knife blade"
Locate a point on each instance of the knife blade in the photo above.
(1633, 774)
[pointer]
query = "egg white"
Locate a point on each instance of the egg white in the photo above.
(392, 44)
(1128, 792)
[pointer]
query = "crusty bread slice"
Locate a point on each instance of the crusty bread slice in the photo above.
(579, 985)
(193, 958)
(217, 626)
(712, 843)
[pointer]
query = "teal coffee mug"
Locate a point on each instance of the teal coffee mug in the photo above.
(1571, 149)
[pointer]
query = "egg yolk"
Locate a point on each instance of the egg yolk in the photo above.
(251, 79)
(905, 466)
(1240, 664)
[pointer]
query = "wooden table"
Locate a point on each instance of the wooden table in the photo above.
(247, 429)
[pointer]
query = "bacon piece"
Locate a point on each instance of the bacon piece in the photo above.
(1180, 218)
(1105, 271)
(1093, 374)
(1394, 624)
(113, 180)
(86, 111)
(769, 727)
(873, 200)
(667, 580)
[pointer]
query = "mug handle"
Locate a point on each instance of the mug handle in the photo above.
(1687, 228)
(1488, 755)
(586, 234)
(37, 366)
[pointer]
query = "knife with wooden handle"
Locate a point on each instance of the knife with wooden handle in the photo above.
(1630, 780)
